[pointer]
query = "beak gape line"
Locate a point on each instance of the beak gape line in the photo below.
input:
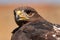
(22, 15)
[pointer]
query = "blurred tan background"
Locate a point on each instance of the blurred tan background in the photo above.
(7, 24)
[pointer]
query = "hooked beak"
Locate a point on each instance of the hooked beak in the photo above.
(21, 15)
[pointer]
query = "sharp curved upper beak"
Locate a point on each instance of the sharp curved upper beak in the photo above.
(21, 15)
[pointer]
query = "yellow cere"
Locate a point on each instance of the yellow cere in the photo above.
(23, 15)
(19, 12)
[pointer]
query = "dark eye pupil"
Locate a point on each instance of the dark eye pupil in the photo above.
(28, 11)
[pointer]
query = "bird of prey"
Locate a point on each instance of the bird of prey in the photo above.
(24, 15)
(36, 28)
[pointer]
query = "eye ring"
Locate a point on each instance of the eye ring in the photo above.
(29, 13)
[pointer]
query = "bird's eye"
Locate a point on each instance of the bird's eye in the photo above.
(29, 12)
